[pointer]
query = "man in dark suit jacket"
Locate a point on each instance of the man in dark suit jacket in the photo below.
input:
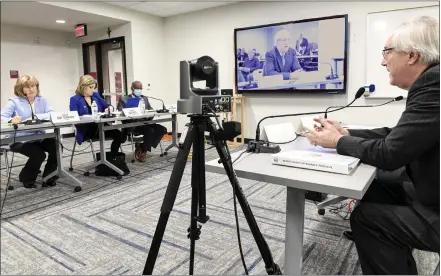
(390, 221)
(250, 64)
(282, 59)
(152, 133)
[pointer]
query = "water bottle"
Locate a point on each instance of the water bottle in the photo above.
(94, 110)
(142, 106)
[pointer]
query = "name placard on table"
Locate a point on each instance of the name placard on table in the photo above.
(64, 117)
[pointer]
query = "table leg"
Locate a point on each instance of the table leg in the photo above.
(295, 215)
(174, 133)
(103, 159)
(60, 170)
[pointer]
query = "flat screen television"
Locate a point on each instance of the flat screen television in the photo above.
(292, 57)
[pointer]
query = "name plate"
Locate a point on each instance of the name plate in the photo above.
(64, 117)
(132, 112)
(172, 108)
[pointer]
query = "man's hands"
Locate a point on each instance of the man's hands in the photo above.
(296, 74)
(326, 136)
(343, 131)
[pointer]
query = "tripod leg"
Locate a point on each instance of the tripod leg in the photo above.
(267, 257)
(169, 201)
(198, 187)
(194, 229)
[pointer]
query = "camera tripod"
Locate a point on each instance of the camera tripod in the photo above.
(195, 136)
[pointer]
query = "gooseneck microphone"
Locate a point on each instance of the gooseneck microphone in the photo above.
(260, 146)
(399, 98)
(163, 110)
(33, 121)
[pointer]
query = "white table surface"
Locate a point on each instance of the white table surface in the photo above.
(257, 166)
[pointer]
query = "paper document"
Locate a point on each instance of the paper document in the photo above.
(316, 160)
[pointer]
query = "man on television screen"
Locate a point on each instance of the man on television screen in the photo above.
(250, 64)
(282, 58)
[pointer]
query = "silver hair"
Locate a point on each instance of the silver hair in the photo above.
(283, 33)
(421, 35)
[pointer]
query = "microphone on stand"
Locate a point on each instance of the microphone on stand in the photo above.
(399, 98)
(261, 146)
(331, 76)
(33, 121)
(163, 110)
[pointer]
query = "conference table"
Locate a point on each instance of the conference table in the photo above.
(128, 122)
(61, 172)
(259, 167)
(103, 125)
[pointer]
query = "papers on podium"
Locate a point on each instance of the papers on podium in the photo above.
(316, 160)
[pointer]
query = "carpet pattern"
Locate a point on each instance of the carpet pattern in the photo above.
(107, 228)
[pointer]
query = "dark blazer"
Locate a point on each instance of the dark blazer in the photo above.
(414, 143)
(274, 66)
(123, 101)
(78, 103)
(253, 64)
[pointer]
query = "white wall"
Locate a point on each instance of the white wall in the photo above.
(211, 32)
(145, 51)
(54, 61)
(144, 41)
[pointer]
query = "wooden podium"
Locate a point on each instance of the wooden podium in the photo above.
(238, 100)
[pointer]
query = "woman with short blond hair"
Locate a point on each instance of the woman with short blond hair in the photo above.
(27, 101)
(81, 102)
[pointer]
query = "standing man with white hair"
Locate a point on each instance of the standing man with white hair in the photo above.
(390, 220)
(282, 59)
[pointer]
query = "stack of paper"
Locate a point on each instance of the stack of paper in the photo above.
(316, 160)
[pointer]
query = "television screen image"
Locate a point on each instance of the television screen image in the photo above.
(301, 56)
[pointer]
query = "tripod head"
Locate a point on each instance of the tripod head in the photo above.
(228, 131)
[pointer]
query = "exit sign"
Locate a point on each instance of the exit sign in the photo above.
(80, 30)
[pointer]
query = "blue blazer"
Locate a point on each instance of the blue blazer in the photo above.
(79, 104)
(19, 106)
(274, 65)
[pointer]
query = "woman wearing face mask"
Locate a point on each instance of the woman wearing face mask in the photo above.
(152, 133)
(27, 101)
(82, 103)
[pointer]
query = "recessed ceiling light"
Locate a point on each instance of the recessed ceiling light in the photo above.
(60, 21)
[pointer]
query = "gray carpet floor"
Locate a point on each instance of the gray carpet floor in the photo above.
(107, 228)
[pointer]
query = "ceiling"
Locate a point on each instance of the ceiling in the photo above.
(43, 16)
(165, 9)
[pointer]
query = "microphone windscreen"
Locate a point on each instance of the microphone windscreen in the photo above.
(399, 98)
(359, 93)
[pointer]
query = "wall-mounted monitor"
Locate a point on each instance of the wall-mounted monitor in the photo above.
(293, 57)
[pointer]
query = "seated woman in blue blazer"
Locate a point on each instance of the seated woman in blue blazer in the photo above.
(82, 103)
(18, 109)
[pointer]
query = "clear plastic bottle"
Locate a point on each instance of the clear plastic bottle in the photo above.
(142, 106)
(94, 110)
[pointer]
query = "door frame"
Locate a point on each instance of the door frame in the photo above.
(98, 56)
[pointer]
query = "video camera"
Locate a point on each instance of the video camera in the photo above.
(201, 100)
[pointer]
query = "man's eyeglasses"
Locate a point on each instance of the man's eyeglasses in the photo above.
(386, 51)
